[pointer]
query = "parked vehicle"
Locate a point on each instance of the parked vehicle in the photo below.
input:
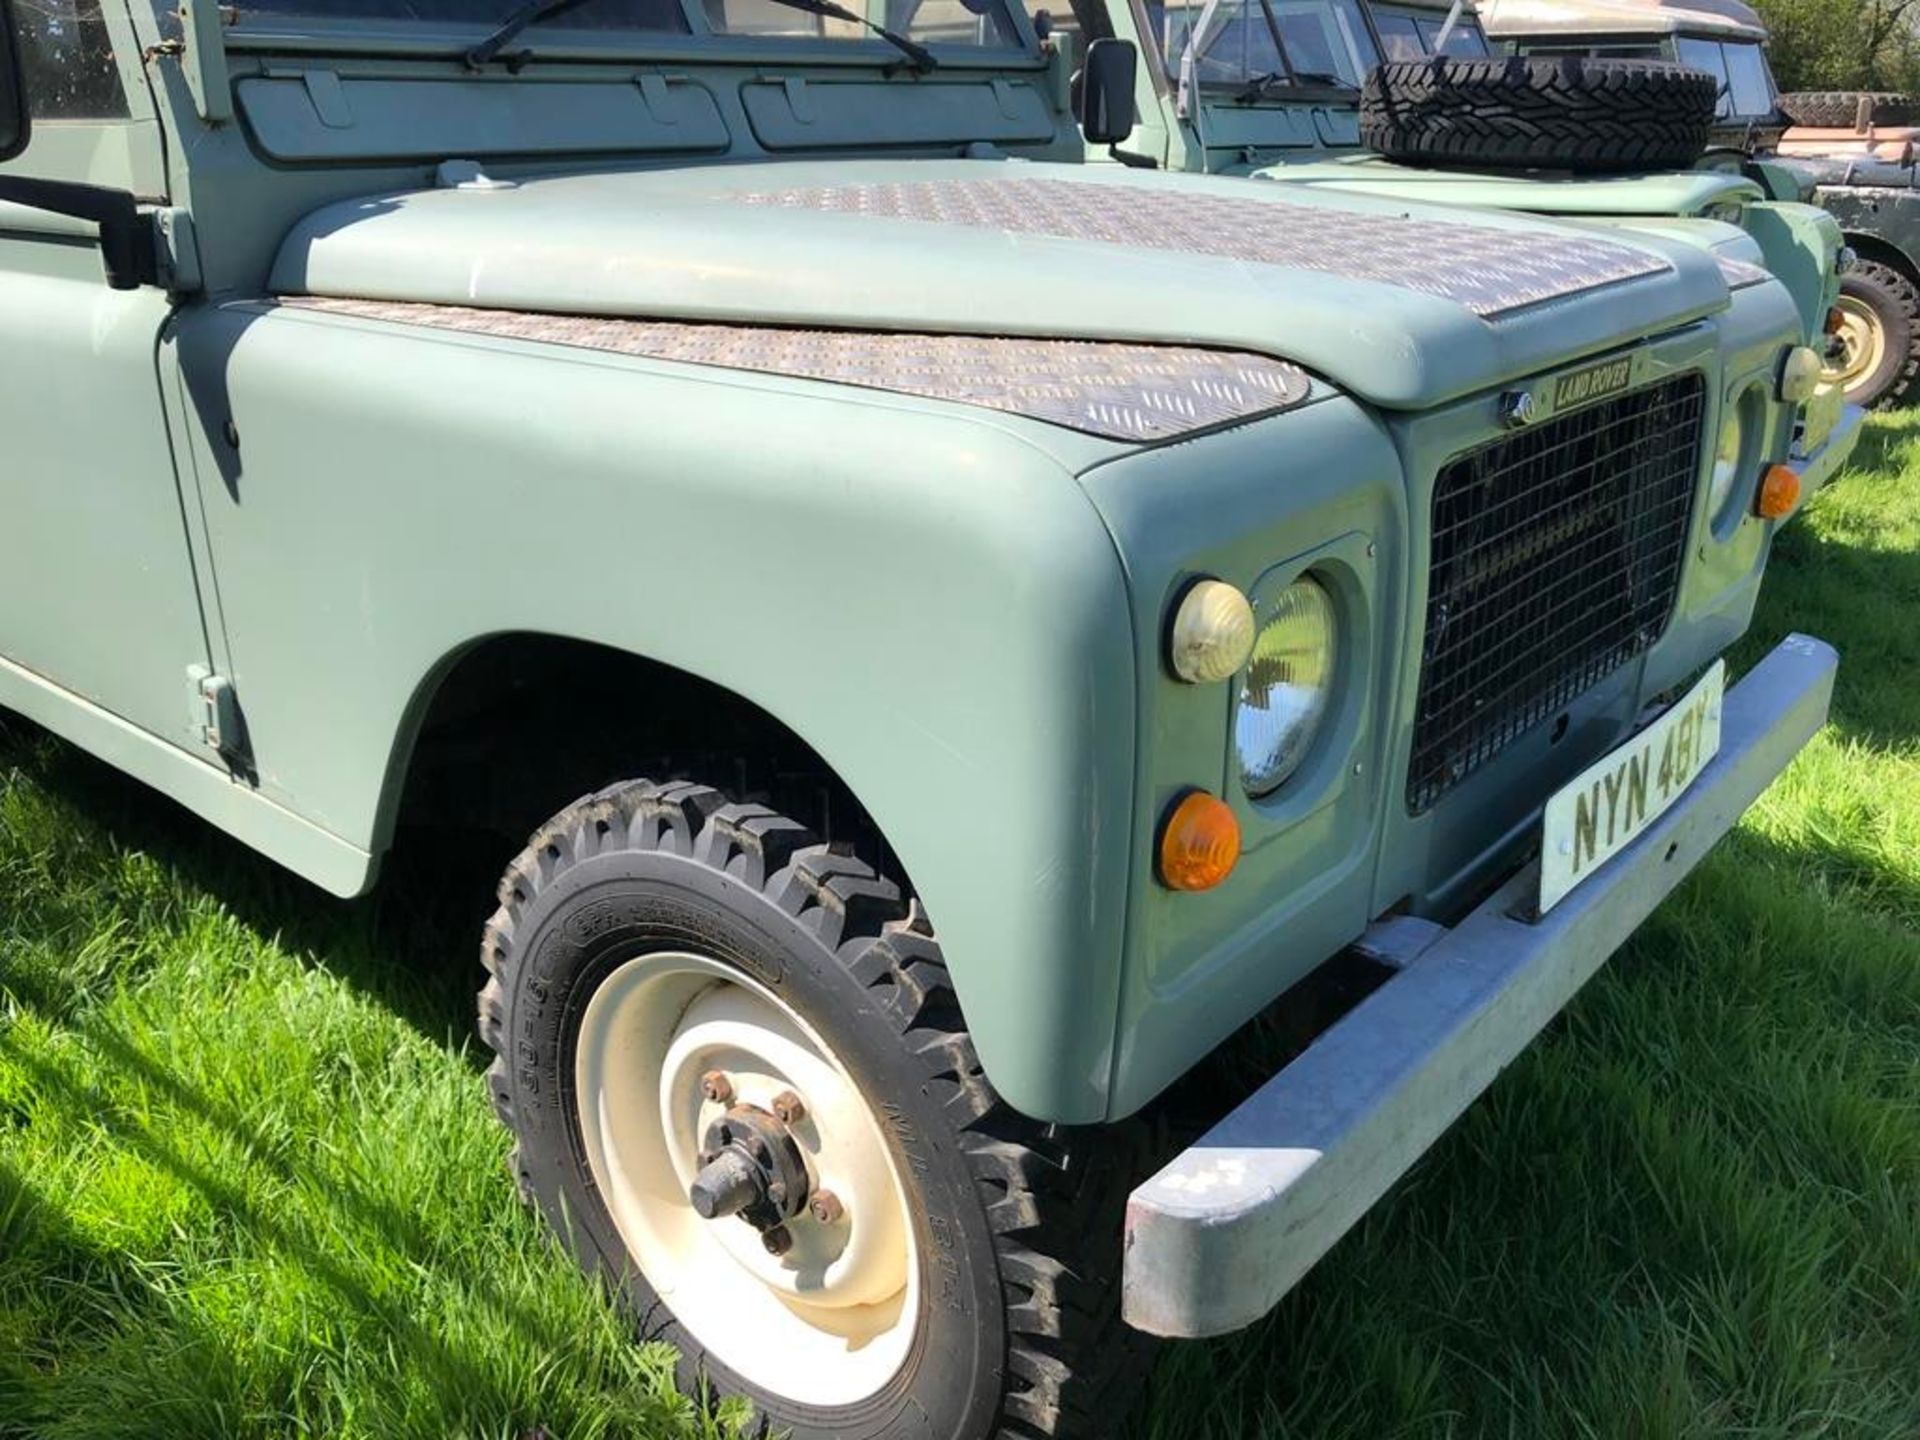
(1850, 153)
(1876, 355)
(1310, 92)
(1724, 38)
(1873, 126)
(962, 634)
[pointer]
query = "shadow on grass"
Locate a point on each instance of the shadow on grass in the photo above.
(417, 1348)
(68, 1357)
(1835, 574)
(125, 1357)
(412, 945)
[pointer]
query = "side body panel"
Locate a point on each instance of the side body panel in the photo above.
(934, 606)
(1888, 216)
(1801, 244)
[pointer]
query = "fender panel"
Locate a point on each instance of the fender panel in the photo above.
(925, 596)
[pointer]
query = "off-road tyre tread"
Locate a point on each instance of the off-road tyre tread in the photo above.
(1054, 1196)
(1529, 112)
(1840, 109)
(1907, 294)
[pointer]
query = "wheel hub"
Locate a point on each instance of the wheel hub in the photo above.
(751, 1167)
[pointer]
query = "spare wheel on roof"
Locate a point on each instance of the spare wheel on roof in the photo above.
(1532, 112)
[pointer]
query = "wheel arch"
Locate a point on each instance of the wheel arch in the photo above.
(1879, 248)
(1035, 979)
(501, 693)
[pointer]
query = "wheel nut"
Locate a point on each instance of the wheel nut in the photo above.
(778, 1240)
(788, 1108)
(826, 1207)
(717, 1087)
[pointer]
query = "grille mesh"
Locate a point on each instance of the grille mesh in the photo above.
(1556, 558)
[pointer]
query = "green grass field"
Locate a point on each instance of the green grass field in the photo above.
(250, 1185)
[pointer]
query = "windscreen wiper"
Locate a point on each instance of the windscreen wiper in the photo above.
(531, 13)
(1259, 85)
(921, 57)
(534, 11)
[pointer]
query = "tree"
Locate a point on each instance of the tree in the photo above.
(1844, 44)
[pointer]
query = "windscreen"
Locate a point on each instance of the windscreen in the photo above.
(1466, 39)
(1752, 89)
(933, 22)
(1414, 37)
(478, 14)
(1327, 41)
(1746, 85)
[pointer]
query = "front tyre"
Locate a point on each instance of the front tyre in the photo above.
(1877, 348)
(742, 1091)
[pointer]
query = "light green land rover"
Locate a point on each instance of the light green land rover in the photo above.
(963, 633)
(1360, 96)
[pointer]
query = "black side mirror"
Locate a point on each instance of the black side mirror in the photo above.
(126, 236)
(1106, 91)
(15, 124)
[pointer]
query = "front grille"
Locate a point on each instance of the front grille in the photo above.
(1556, 558)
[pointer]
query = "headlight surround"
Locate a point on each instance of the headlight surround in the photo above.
(1727, 454)
(1288, 686)
(1734, 451)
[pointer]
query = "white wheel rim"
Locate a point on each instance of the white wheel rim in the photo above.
(830, 1322)
(1863, 343)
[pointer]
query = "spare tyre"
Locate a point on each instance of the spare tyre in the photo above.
(1529, 112)
(1840, 109)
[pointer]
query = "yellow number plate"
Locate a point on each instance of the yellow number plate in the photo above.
(1613, 802)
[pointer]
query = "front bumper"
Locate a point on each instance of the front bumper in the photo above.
(1223, 1232)
(1817, 469)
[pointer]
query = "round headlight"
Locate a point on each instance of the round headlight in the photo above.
(1727, 456)
(1800, 375)
(1212, 633)
(1288, 687)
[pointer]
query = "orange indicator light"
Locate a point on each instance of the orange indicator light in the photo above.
(1779, 493)
(1199, 844)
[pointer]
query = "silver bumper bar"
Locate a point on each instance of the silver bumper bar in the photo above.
(1223, 1232)
(1820, 467)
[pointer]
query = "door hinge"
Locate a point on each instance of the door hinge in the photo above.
(222, 728)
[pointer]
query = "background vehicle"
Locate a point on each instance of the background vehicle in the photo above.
(925, 759)
(1724, 38)
(1852, 154)
(1281, 99)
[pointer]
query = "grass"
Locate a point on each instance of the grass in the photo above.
(249, 1184)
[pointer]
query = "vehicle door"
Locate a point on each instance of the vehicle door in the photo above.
(97, 590)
